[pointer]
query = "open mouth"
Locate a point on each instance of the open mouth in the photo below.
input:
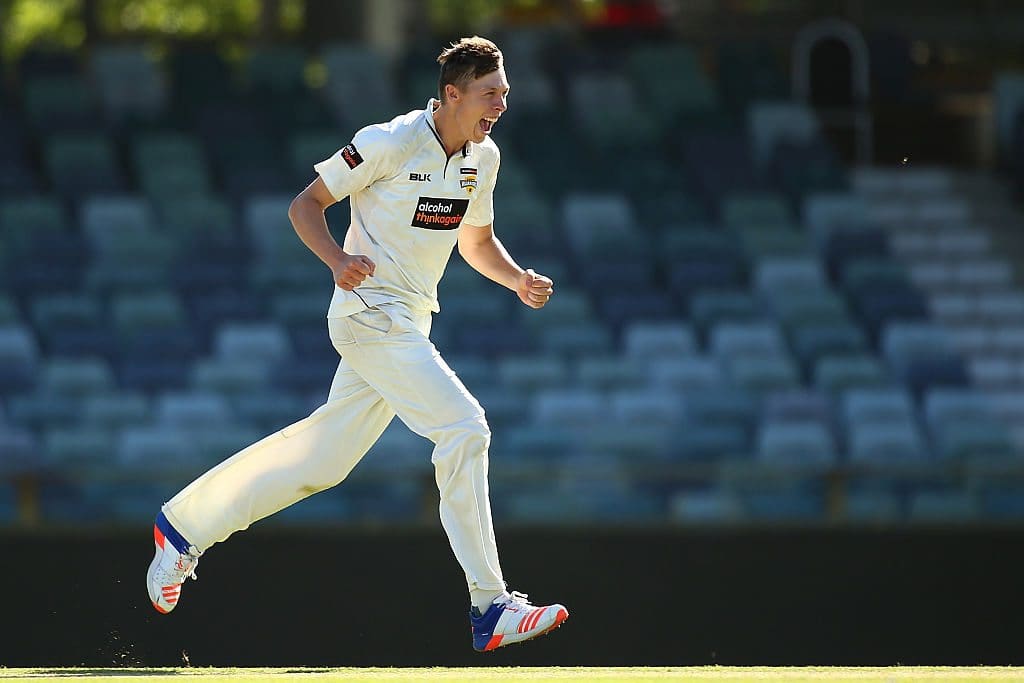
(486, 124)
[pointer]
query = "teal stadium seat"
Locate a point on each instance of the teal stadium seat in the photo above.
(730, 339)
(796, 442)
(265, 342)
(32, 220)
(762, 373)
(76, 377)
(605, 372)
(705, 507)
(9, 313)
(842, 372)
(192, 410)
(158, 452)
(170, 166)
(771, 124)
(308, 147)
(82, 452)
(687, 374)
(128, 81)
(146, 313)
(574, 408)
(942, 506)
(647, 406)
(116, 410)
(197, 220)
(82, 163)
(712, 307)
(570, 339)
(58, 101)
(648, 342)
(532, 373)
(277, 70)
(889, 444)
(777, 278)
(755, 210)
(234, 377)
(688, 94)
(606, 129)
(360, 83)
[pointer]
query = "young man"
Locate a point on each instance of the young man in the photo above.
(419, 185)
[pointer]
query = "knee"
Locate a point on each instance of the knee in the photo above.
(472, 433)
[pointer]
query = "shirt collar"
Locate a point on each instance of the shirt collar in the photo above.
(432, 105)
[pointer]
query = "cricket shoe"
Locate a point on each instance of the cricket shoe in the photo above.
(175, 560)
(511, 619)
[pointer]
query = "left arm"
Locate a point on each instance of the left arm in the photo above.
(485, 253)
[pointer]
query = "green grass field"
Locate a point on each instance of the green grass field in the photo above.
(582, 674)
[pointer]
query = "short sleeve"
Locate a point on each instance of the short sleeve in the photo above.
(481, 209)
(358, 164)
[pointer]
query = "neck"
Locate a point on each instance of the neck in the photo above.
(444, 121)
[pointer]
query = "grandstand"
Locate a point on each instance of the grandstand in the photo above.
(747, 327)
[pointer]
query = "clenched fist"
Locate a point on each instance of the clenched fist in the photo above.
(352, 270)
(534, 290)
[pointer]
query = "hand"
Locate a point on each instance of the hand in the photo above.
(350, 272)
(534, 290)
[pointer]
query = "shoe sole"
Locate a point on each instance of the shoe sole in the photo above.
(149, 584)
(560, 619)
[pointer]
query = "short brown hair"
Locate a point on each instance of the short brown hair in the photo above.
(465, 61)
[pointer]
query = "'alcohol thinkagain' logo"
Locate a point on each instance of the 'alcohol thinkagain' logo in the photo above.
(433, 213)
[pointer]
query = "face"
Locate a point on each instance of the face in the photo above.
(478, 107)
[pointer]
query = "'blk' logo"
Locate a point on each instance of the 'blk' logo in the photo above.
(420, 177)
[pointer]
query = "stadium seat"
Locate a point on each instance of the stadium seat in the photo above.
(256, 341)
(644, 406)
(705, 507)
(776, 277)
(79, 377)
(761, 374)
(892, 442)
(359, 69)
(796, 442)
(19, 353)
(942, 506)
(116, 410)
(840, 373)
(772, 123)
(576, 408)
(687, 374)
(647, 342)
(755, 210)
(729, 339)
(192, 410)
(128, 81)
(608, 372)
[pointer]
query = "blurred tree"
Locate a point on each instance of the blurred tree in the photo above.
(51, 23)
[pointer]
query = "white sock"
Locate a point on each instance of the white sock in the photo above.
(482, 599)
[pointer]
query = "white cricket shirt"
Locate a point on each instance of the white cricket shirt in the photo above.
(409, 201)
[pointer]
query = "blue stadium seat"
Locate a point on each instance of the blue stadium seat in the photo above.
(797, 442)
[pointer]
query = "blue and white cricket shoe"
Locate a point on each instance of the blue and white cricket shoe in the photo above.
(512, 620)
(175, 560)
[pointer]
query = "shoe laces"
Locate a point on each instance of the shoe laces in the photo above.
(185, 567)
(517, 601)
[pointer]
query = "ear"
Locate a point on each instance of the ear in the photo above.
(451, 91)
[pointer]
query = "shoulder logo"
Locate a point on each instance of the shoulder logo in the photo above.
(351, 155)
(420, 177)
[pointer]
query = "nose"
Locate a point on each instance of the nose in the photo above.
(500, 103)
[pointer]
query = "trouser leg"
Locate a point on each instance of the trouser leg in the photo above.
(308, 456)
(402, 365)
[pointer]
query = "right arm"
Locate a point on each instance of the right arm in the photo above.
(307, 216)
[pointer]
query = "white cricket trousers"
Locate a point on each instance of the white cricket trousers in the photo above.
(388, 367)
